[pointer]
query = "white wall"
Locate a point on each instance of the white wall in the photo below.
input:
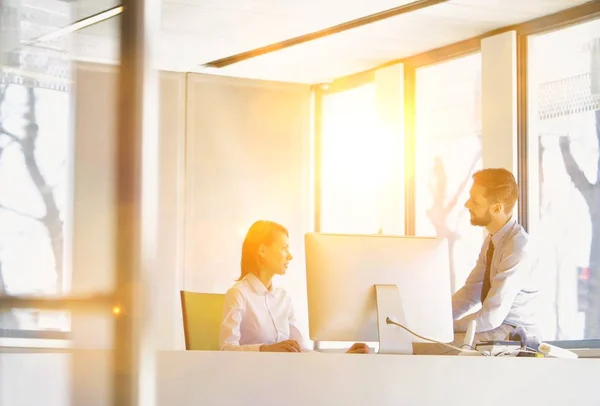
(247, 158)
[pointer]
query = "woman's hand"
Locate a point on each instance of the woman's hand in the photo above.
(282, 346)
(359, 348)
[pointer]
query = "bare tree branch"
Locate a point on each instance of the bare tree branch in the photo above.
(462, 186)
(10, 135)
(19, 213)
(51, 219)
(3, 90)
(575, 173)
(2, 149)
(597, 114)
(439, 212)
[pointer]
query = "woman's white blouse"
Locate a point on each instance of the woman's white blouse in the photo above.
(254, 315)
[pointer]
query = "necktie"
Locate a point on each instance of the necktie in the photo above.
(486, 278)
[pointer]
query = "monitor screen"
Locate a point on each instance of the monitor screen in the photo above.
(342, 271)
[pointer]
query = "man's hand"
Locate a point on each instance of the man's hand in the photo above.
(359, 348)
(282, 346)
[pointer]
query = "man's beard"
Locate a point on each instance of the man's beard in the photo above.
(482, 220)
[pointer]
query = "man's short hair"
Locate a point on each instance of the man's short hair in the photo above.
(500, 186)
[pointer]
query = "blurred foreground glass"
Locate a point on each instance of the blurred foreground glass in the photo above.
(41, 99)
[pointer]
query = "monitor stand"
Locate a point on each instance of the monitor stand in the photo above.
(392, 339)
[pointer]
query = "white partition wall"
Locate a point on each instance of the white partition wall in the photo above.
(93, 185)
(93, 203)
(247, 158)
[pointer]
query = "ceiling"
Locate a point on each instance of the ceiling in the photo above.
(194, 32)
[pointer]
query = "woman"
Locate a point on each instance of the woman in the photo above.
(257, 316)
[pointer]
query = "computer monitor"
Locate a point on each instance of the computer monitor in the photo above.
(355, 282)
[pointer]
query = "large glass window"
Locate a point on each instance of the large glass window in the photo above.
(59, 199)
(358, 158)
(564, 188)
(34, 134)
(448, 151)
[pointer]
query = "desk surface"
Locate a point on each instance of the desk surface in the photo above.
(214, 378)
(228, 378)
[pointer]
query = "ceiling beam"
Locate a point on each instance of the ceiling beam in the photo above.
(581, 13)
(359, 22)
(561, 19)
(77, 25)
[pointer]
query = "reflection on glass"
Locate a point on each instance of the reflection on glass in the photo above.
(448, 151)
(564, 117)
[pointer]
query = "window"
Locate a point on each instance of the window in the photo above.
(564, 211)
(359, 159)
(34, 134)
(448, 152)
(349, 196)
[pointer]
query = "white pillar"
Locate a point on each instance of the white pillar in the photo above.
(389, 89)
(499, 101)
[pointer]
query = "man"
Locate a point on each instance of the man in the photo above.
(501, 281)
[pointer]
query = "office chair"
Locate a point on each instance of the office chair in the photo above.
(202, 314)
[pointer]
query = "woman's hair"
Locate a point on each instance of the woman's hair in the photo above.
(261, 232)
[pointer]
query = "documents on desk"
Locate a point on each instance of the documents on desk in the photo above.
(499, 348)
(514, 348)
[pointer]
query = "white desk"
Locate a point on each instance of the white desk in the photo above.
(210, 378)
(222, 379)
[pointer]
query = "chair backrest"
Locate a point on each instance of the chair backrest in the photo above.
(202, 314)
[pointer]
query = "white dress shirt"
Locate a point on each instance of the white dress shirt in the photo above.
(513, 291)
(254, 315)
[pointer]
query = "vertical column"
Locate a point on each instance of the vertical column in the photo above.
(136, 204)
(389, 88)
(499, 101)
